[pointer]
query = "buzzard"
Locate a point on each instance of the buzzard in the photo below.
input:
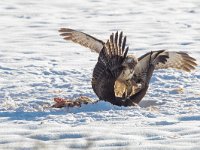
(123, 79)
(96, 45)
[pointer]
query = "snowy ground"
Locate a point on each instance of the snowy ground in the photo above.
(36, 65)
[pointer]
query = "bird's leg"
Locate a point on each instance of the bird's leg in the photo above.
(129, 87)
(123, 89)
(133, 87)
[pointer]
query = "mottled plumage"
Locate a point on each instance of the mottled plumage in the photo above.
(82, 39)
(178, 60)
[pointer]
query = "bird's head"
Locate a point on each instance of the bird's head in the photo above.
(128, 68)
(130, 62)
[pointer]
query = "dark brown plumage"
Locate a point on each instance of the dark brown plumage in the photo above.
(108, 68)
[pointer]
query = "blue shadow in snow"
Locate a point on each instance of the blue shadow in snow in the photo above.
(28, 116)
(34, 116)
(190, 118)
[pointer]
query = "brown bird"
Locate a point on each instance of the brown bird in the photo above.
(120, 78)
(123, 80)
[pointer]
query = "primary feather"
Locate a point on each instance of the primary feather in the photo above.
(82, 39)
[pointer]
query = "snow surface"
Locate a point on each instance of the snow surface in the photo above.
(36, 65)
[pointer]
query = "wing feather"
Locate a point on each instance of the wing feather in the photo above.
(142, 67)
(115, 43)
(120, 42)
(108, 68)
(162, 60)
(178, 60)
(82, 38)
(159, 60)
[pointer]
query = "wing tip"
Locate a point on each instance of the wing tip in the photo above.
(65, 30)
(190, 63)
(116, 44)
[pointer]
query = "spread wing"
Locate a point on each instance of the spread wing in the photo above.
(144, 62)
(158, 60)
(82, 39)
(178, 60)
(109, 67)
(143, 72)
(162, 60)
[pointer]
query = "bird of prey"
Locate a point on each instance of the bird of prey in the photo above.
(96, 45)
(123, 79)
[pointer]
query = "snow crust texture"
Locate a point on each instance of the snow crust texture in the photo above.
(36, 65)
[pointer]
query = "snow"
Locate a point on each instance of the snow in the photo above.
(36, 65)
